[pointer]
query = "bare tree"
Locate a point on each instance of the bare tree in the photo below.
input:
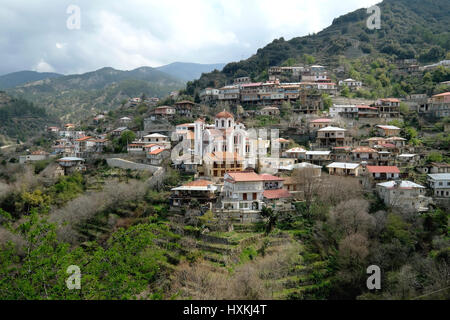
(352, 217)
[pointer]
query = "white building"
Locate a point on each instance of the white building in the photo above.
(440, 183)
(242, 191)
(346, 111)
(351, 83)
(405, 195)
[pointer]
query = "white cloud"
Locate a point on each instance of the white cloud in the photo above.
(133, 33)
(43, 66)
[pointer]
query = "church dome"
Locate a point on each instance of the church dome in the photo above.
(224, 114)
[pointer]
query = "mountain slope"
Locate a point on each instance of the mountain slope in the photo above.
(15, 79)
(20, 119)
(189, 71)
(409, 28)
(70, 97)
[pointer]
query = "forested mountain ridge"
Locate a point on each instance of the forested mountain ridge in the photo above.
(70, 97)
(19, 78)
(409, 29)
(20, 119)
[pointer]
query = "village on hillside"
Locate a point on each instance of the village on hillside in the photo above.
(252, 145)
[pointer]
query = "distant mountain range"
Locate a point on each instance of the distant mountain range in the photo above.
(72, 96)
(189, 71)
(178, 71)
(15, 79)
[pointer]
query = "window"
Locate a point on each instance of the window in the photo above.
(223, 123)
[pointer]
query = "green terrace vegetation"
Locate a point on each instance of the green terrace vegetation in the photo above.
(130, 246)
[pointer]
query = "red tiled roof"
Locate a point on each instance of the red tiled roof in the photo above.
(224, 114)
(390, 100)
(276, 194)
(383, 169)
(442, 94)
(185, 102)
(364, 150)
(269, 177)
(157, 151)
(39, 152)
(83, 139)
(245, 176)
(388, 145)
(321, 121)
(198, 183)
(366, 107)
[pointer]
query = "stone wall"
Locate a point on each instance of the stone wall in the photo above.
(125, 164)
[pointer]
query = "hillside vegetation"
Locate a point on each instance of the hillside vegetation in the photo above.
(70, 97)
(409, 29)
(21, 119)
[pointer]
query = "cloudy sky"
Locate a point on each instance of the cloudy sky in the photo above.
(34, 35)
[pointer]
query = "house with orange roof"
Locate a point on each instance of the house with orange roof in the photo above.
(365, 154)
(376, 174)
(157, 156)
(388, 108)
(83, 145)
(319, 123)
(440, 105)
(203, 191)
(242, 191)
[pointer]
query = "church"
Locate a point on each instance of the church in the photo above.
(223, 146)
